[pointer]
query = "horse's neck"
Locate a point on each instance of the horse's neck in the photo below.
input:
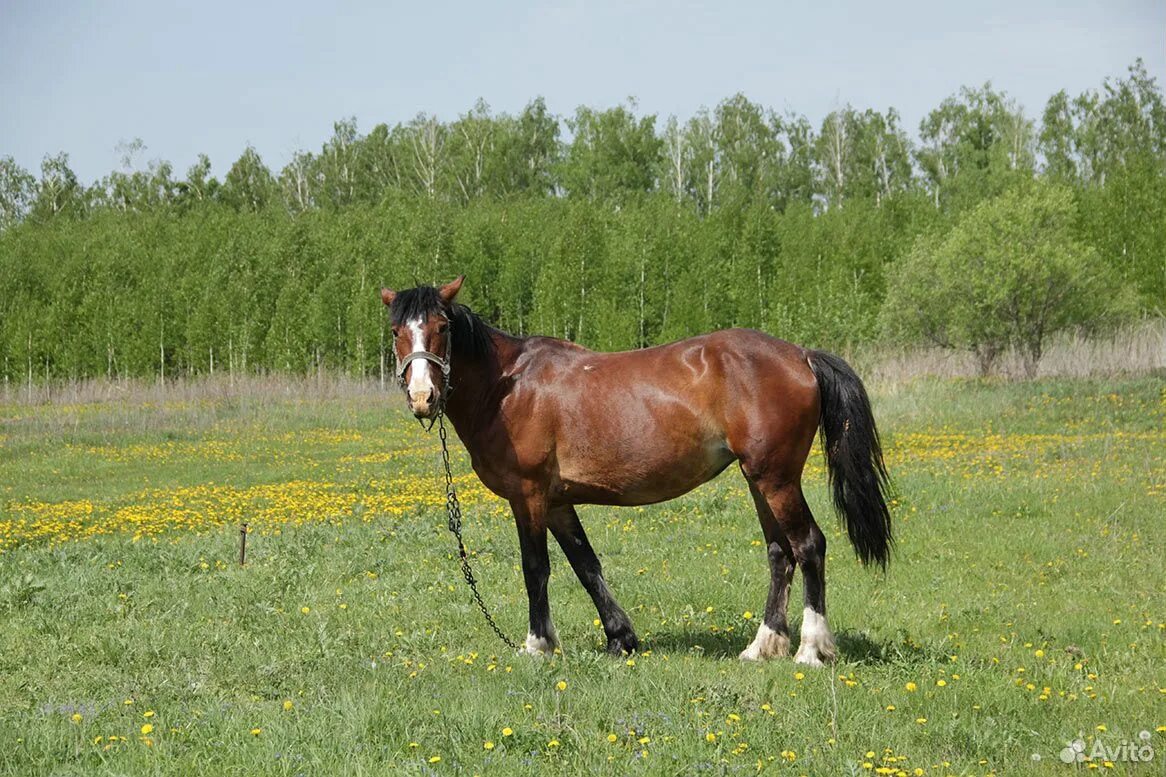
(477, 388)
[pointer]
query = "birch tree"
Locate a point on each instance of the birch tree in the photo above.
(427, 138)
(704, 174)
(835, 149)
(17, 191)
(674, 171)
(471, 141)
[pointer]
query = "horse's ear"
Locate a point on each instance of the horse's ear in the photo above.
(450, 290)
(387, 296)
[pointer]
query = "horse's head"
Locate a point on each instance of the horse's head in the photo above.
(421, 320)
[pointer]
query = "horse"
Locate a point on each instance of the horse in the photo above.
(550, 425)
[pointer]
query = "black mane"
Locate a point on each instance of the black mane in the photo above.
(470, 334)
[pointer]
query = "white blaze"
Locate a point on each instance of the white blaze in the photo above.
(419, 380)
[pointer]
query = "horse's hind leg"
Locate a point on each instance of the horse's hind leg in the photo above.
(564, 524)
(807, 544)
(772, 638)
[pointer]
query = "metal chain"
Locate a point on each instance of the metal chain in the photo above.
(454, 510)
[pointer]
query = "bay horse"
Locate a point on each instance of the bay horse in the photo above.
(550, 425)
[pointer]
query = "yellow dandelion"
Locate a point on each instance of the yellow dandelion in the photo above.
(487, 745)
(148, 714)
(434, 759)
(941, 683)
(305, 609)
(256, 732)
(799, 676)
(710, 737)
(561, 685)
(76, 718)
(612, 738)
(912, 687)
(146, 728)
(507, 731)
(553, 743)
(288, 705)
(748, 615)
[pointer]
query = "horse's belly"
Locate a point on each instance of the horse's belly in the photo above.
(638, 474)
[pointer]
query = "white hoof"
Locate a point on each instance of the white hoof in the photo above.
(817, 648)
(767, 644)
(808, 656)
(539, 646)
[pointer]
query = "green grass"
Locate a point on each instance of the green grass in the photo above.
(1029, 518)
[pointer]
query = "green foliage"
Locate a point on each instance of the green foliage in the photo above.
(625, 233)
(612, 153)
(974, 146)
(17, 191)
(1010, 273)
(249, 184)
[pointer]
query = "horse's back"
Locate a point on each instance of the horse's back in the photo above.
(641, 426)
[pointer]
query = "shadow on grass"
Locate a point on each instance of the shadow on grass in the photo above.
(853, 647)
(709, 644)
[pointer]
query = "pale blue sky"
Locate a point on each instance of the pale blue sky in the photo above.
(212, 76)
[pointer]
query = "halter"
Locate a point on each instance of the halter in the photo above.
(443, 364)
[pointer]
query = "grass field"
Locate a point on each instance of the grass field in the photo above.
(1024, 607)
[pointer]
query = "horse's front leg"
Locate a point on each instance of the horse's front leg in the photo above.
(565, 525)
(530, 519)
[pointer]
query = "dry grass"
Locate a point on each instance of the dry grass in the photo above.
(1135, 350)
(220, 387)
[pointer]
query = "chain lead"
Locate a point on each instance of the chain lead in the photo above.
(453, 509)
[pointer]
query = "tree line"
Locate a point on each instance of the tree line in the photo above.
(609, 227)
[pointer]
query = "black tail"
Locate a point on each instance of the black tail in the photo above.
(854, 457)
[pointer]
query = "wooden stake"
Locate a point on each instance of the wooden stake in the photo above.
(242, 544)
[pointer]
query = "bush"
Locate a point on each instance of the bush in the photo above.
(1010, 273)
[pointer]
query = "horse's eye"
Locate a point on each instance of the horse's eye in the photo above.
(396, 332)
(442, 328)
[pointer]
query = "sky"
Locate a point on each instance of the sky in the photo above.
(215, 76)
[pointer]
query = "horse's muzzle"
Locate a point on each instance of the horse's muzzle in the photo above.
(423, 404)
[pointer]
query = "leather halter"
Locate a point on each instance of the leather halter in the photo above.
(442, 364)
(432, 357)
